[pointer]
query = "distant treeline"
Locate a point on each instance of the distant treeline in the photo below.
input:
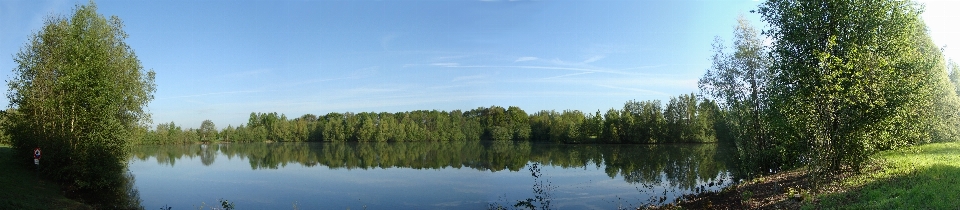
(686, 118)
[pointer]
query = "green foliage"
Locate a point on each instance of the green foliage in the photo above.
(207, 131)
(226, 204)
(745, 196)
(740, 80)
(612, 126)
(498, 133)
(954, 70)
(4, 137)
(689, 119)
(638, 122)
(854, 77)
(171, 133)
(558, 127)
(79, 92)
(839, 81)
(644, 122)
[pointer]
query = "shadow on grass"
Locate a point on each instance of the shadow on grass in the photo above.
(933, 187)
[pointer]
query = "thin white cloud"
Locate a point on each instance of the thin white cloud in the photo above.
(450, 57)
(445, 64)
(522, 59)
(593, 59)
(538, 67)
(567, 75)
(557, 61)
(471, 77)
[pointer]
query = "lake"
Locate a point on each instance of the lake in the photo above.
(424, 175)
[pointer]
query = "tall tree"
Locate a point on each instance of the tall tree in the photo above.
(650, 122)
(738, 81)
(207, 131)
(519, 123)
(80, 92)
(612, 127)
(850, 77)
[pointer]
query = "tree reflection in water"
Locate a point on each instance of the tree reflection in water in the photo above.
(678, 165)
(122, 194)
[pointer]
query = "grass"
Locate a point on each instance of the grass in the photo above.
(921, 177)
(20, 188)
(918, 177)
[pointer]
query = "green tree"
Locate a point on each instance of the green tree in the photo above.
(675, 116)
(654, 122)
(612, 127)
(471, 126)
(4, 137)
(566, 127)
(207, 131)
(954, 70)
(738, 81)
(647, 123)
(940, 117)
(519, 123)
(228, 134)
(366, 128)
(282, 129)
(386, 129)
(851, 77)
(704, 130)
(333, 129)
(590, 128)
(80, 92)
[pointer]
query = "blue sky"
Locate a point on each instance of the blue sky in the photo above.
(221, 60)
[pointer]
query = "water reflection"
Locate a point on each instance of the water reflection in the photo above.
(122, 193)
(682, 166)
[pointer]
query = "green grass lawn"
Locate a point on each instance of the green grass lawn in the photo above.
(20, 188)
(921, 177)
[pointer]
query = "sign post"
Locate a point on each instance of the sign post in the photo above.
(36, 157)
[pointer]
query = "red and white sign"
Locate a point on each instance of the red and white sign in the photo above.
(36, 156)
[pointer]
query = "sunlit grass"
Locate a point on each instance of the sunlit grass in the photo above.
(922, 177)
(20, 187)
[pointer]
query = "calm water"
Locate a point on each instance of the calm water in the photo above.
(422, 175)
